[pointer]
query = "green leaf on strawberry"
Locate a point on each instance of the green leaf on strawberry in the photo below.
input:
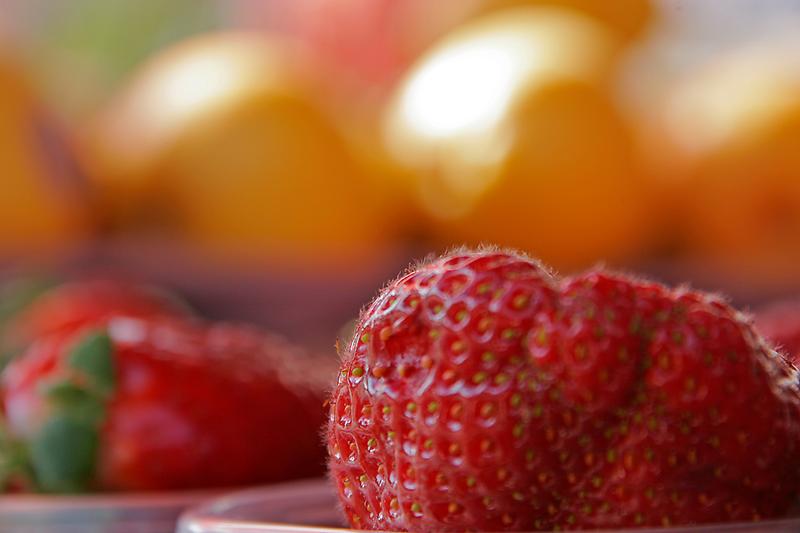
(61, 457)
(93, 358)
(74, 399)
(229, 387)
(63, 454)
(14, 464)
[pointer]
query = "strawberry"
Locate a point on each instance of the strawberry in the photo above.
(780, 322)
(157, 404)
(480, 392)
(71, 305)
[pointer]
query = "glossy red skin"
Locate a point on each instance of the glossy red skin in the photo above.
(72, 305)
(780, 322)
(195, 406)
(428, 433)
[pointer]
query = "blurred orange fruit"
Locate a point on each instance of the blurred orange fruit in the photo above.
(220, 138)
(627, 19)
(734, 126)
(510, 127)
(374, 41)
(41, 207)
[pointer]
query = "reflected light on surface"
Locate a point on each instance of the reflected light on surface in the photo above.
(191, 86)
(468, 82)
(447, 97)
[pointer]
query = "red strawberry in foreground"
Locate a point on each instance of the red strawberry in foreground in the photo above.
(482, 393)
(780, 322)
(158, 404)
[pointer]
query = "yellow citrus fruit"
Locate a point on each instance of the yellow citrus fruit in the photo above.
(221, 137)
(510, 128)
(735, 127)
(41, 197)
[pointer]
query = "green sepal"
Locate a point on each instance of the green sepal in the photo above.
(76, 401)
(14, 464)
(63, 454)
(93, 358)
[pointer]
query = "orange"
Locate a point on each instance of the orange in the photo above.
(735, 127)
(374, 41)
(628, 19)
(510, 128)
(221, 138)
(41, 204)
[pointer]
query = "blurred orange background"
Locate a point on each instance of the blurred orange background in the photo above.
(277, 160)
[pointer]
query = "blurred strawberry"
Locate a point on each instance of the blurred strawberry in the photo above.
(72, 305)
(34, 312)
(158, 404)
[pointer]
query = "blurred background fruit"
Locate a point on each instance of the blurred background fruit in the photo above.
(276, 160)
(627, 19)
(384, 37)
(512, 131)
(33, 309)
(83, 49)
(219, 140)
(733, 127)
(42, 203)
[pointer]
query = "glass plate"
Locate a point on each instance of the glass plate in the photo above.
(108, 513)
(311, 507)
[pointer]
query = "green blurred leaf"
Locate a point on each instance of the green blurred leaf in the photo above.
(76, 401)
(63, 454)
(14, 465)
(93, 357)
